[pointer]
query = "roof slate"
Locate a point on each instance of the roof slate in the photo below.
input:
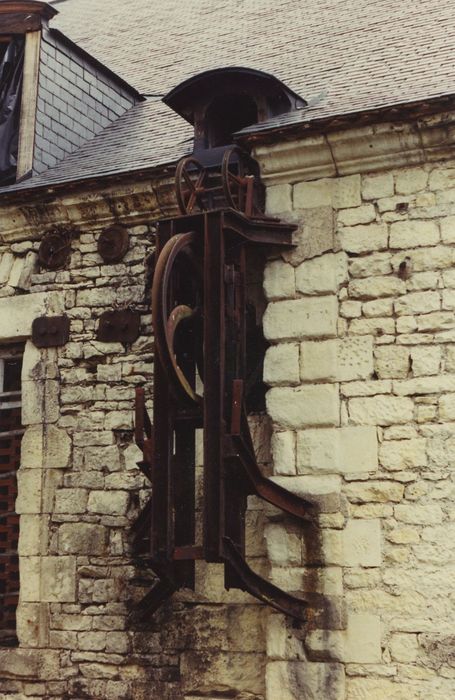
(362, 54)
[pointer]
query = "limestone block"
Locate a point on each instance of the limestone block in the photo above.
(364, 239)
(337, 360)
(426, 360)
(109, 373)
(283, 548)
(364, 214)
(30, 578)
(410, 180)
(45, 446)
(391, 361)
(362, 543)
(404, 647)
(283, 452)
(412, 234)
(314, 236)
(423, 280)
(304, 680)
(341, 193)
(32, 624)
(442, 178)
(58, 579)
(317, 193)
(278, 199)
(376, 186)
(119, 420)
(303, 406)
(38, 363)
(372, 326)
(381, 689)
(108, 296)
(6, 263)
(380, 410)
(338, 450)
(403, 535)
(396, 455)
(371, 388)
(40, 402)
(378, 307)
(447, 407)
(281, 364)
(279, 280)
(108, 502)
(33, 534)
(71, 501)
(418, 303)
(371, 265)
(448, 229)
(29, 267)
(322, 274)
(360, 643)
(17, 313)
(374, 491)
(419, 515)
(424, 385)
(29, 487)
(301, 318)
(448, 299)
(25, 664)
(376, 287)
(437, 258)
(351, 309)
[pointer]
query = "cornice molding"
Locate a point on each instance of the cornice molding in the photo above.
(358, 150)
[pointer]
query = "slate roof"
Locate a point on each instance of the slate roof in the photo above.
(361, 54)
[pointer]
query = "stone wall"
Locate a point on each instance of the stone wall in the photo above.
(361, 369)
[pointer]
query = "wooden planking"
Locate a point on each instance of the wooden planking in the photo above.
(29, 104)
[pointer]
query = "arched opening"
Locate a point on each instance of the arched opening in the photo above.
(227, 114)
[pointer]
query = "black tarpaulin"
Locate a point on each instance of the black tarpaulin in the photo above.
(11, 69)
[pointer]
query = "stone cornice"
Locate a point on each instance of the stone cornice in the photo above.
(130, 202)
(356, 150)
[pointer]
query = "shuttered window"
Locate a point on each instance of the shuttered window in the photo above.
(10, 442)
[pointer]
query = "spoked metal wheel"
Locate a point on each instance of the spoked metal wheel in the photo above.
(190, 178)
(238, 180)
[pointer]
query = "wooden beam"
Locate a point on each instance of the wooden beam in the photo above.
(29, 103)
(18, 23)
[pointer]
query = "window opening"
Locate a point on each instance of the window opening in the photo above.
(228, 114)
(11, 432)
(11, 70)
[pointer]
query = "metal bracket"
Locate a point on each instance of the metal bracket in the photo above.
(119, 326)
(50, 331)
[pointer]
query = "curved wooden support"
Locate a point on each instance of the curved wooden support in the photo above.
(260, 588)
(165, 320)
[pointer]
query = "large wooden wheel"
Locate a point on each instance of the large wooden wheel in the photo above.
(190, 178)
(170, 314)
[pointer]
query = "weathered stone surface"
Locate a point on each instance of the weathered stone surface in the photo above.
(380, 410)
(411, 234)
(376, 186)
(374, 491)
(314, 236)
(281, 364)
(419, 515)
(410, 180)
(17, 313)
(372, 288)
(108, 502)
(283, 452)
(278, 199)
(301, 318)
(396, 455)
(362, 543)
(58, 579)
(295, 680)
(303, 406)
(379, 689)
(338, 450)
(418, 303)
(364, 214)
(322, 274)
(364, 239)
(337, 360)
(82, 538)
(359, 643)
(40, 402)
(279, 280)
